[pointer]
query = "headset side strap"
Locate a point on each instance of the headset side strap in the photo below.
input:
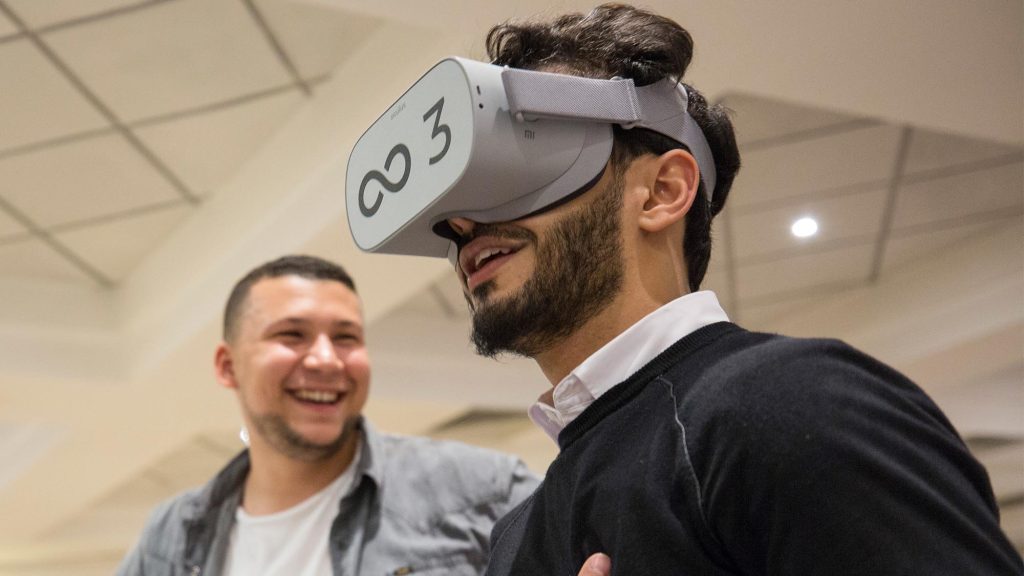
(661, 107)
(664, 108)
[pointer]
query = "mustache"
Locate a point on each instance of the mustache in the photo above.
(505, 231)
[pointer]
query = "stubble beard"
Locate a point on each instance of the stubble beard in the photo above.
(287, 441)
(578, 272)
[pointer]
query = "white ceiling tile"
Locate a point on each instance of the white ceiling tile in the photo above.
(719, 284)
(223, 440)
(422, 304)
(7, 27)
(142, 490)
(115, 523)
(316, 37)
(115, 248)
(716, 277)
(35, 260)
(449, 298)
(802, 273)
(441, 301)
(766, 317)
(758, 119)
(720, 240)
(36, 102)
(207, 149)
(959, 196)
(38, 14)
(82, 180)
(9, 226)
(171, 57)
(852, 217)
(933, 150)
(852, 158)
(1004, 465)
(21, 444)
(909, 249)
(191, 464)
(717, 281)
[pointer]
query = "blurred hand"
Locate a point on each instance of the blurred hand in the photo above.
(597, 565)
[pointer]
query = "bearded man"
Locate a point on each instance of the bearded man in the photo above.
(689, 445)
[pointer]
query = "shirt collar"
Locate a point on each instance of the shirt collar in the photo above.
(622, 356)
(370, 463)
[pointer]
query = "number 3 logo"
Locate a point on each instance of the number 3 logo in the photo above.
(439, 128)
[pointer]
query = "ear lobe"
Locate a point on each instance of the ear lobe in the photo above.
(674, 188)
(223, 366)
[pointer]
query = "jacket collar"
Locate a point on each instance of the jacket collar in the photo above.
(371, 463)
(208, 522)
(209, 519)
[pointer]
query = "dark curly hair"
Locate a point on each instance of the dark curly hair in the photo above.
(628, 42)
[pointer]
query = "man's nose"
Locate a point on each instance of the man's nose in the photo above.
(461, 226)
(322, 355)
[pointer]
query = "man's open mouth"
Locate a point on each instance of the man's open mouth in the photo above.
(476, 257)
(489, 254)
(316, 396)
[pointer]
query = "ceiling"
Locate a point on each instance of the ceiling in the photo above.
(152, 151)
(134, 112)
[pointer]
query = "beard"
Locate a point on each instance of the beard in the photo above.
(287, 441)
(579, 270)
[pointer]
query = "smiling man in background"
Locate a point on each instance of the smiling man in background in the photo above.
(319, 491)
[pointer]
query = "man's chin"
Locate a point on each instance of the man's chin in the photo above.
(321, 441)
(481, 296)
(328, 437)
(311, 443)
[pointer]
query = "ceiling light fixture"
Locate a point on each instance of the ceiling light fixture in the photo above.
(804, 227)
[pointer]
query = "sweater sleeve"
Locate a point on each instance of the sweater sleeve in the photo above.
(815, 459)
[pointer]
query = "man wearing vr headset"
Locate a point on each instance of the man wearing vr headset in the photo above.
(573, 183)
(689, 445)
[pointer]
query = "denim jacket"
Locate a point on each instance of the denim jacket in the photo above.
(419, 507)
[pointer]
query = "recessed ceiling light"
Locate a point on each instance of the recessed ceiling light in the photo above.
(804, 227)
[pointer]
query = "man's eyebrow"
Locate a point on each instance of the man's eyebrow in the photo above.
(348, 324)
(290, 320)
(337, 324)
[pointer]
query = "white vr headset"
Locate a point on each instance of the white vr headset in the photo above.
(494, 144)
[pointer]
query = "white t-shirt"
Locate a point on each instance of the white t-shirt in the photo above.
(292, 542)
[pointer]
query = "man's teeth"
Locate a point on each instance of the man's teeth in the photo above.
(320, 396)
(488, 252)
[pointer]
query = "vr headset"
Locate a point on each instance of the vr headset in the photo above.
(494, 144)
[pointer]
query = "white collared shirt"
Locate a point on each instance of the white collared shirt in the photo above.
(623, 356)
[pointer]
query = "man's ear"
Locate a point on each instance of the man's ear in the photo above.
(672, 192)
(224, 367)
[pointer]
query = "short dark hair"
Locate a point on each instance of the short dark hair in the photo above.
(297, 265)
(620, 40)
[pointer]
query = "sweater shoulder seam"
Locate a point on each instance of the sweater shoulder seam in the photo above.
(689, 461)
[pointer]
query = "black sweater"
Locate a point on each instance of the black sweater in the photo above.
(734, 452)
